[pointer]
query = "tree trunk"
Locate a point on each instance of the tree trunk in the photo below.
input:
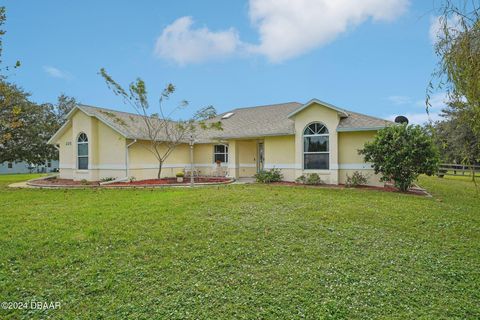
(160, 164)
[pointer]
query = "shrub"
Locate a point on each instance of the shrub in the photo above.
(132, 179)
(180, 175)
(272, 175)
(357, 179)
(106, 179)
(401, 153)
(84, 182)
(310, 179)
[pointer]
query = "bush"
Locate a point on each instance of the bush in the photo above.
(106, 179)
(132, 179)
(309, 179)
(84, 182)
(401, 153)
(357, 179)
(272, 175)
(180, 175)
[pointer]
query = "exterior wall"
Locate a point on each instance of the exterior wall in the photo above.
(349, 159)
(280, 154)
(242, 158)
(24, 167)
(330, 118)
(106, 150)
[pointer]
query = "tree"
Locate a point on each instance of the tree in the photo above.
(164, 133)
(401, 153)
(456, 141)
(25, 127)
(458, 73)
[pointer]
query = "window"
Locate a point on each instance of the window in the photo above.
(82, 151)
(220, 153)
(49, 164)
(315, 147)
(10, 165)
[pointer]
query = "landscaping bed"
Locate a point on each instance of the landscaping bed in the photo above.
(171, 181)
(57, 182)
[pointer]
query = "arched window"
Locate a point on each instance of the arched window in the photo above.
(316, 147)
(82, 151)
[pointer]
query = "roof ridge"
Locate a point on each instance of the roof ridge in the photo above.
(366, 115)
(108, 109)
(264, 106)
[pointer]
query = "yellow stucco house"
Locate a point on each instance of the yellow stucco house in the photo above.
(296, 138)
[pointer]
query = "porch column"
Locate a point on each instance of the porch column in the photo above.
(233, 159)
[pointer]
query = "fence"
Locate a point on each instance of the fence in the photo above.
(457, 170)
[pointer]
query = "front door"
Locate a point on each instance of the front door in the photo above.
(260, 156)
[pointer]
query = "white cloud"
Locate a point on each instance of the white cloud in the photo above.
(437, 101)
(400, 100)
(56, 73)
(290, 28)
(437, 23)
(287, 28)
(183, 44)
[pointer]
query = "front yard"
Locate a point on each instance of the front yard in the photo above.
(241, 251)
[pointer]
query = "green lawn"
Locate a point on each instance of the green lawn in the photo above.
(248, 252)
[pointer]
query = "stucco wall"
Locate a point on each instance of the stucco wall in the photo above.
(106, 150)
(328, 117)
(280, 154)
(350, 161)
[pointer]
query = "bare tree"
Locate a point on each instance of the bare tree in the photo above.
(164, 133)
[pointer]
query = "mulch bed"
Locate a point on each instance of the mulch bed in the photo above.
(49, 182)
(167, 181)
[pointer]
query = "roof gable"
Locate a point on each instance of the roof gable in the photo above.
(341, 112)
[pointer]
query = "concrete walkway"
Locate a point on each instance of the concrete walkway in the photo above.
(244, 180)
(22, 184)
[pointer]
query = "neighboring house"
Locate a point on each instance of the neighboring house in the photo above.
(25, 167)
(296, 138)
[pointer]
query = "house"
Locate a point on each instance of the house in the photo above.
(25, 167)
(315, 137)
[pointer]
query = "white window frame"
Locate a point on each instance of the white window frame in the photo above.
(222, 153)
(83, 156)
(316, 152)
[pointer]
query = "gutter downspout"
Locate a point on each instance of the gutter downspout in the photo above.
(127, 158)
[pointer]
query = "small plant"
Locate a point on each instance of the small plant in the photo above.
(180, 175)
(272, 175)
(132, 179)
(357, 179)
(106, 179)
(309, 179)
(84, 182)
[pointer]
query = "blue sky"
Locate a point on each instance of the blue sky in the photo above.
(374, 57)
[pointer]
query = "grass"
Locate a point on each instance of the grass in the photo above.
(241, 252)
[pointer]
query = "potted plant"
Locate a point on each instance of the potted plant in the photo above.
(218, 162)
(180, 176)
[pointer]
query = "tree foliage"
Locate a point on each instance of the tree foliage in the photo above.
(164, 133)
(454, 136)
(401, 153)
(458, 73)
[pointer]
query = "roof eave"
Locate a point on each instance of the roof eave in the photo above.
(376, 128)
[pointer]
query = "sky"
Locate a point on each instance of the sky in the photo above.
(371, 56)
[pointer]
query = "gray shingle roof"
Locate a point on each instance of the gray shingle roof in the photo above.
(269, 120)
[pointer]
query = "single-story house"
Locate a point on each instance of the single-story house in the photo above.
(13, 167)
(296, 138)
